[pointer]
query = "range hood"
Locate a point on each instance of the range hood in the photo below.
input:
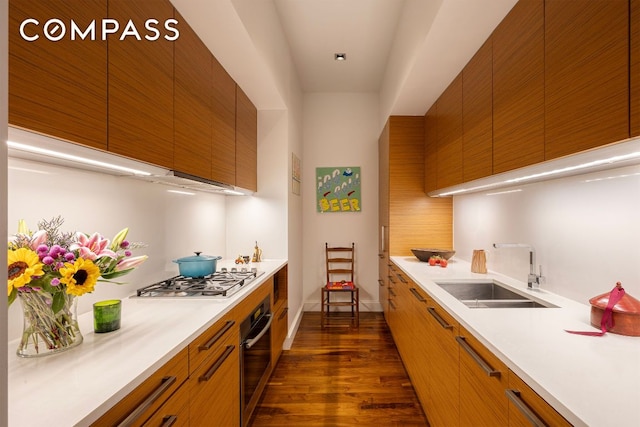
(45, 149)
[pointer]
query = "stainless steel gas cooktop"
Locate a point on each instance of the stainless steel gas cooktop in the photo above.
(221, 284)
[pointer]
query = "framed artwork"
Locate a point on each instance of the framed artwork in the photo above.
(338, 189)
(295, 174)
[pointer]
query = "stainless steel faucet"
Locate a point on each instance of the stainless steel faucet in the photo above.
(533, 280)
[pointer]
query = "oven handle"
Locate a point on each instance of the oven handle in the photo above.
(249, 343)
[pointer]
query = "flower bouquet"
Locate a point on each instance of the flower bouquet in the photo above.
(48, 269)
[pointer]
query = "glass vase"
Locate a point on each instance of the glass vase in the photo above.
(45, 332)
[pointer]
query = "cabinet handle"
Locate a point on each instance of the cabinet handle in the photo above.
(212, 370)
(165, 384)
(393, 294)
(417, 295)
(206, 346)
(514, 397)
(169, 420)
(217, 336)
(443, 323)
(381, 256)
(477, 358)
(284, 313)
(402, 278)
(391, 280)
(381, 282)
(392, 305)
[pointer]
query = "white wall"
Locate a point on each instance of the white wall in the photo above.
(172, 225)
(340, 129)
(585, 229)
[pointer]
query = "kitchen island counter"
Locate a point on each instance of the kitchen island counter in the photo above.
(77, 386)
(591, 381)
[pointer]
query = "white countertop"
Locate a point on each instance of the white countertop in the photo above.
(591, 381)
(77, 386)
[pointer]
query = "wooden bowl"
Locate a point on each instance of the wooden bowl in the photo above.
(424, 254)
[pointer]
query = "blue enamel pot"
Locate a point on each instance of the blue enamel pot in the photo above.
(197, 265)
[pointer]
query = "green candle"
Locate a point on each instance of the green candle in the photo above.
(106, 315)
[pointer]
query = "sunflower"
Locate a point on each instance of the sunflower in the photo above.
(80, 276)
(24, 265)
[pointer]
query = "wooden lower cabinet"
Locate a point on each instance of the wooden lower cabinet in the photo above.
(214, 388)
(200, 386)
(443, 408)
(458, 381)
(174, 412)
(527, 408)
(144, 400)
(279, 329)
(422, 344)
(483, 380)
(401, 317)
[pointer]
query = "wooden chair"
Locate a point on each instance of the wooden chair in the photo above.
(340, 289)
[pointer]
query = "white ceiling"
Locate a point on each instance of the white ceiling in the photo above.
(317, 29)
(408, 51)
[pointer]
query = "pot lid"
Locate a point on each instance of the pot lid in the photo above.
(197, 258)
(627, 303)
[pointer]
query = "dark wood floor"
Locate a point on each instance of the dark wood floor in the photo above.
(340, 377)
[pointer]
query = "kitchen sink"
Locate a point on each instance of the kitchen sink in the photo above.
(489, 295)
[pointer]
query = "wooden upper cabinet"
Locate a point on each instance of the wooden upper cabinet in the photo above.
(246, 142)
(449, 130)
(224, 126)
(586, 74)
(431, 149)
(58, 88)
(635, 68)
(415, 220)
(477, 115)
(518, 87)
(141, 86)
(193, 118)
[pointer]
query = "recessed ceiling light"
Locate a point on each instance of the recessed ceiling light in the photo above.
(340, 56)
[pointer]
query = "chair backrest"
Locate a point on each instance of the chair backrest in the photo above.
(340, 263)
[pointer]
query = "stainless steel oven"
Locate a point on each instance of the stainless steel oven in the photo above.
(255, 357)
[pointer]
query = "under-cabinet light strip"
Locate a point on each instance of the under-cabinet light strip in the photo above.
(71, 157)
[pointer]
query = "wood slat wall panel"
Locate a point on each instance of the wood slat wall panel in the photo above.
(477, 114)
(518, 87)
(58, 88)
(246, 142)
(224, 126)
(635, 68)
(586, 74)
(415, 220)
(449, 130)
(193, 117)
(141, 87)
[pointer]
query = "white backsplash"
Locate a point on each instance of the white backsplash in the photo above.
(172, 225)
(585, 229)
